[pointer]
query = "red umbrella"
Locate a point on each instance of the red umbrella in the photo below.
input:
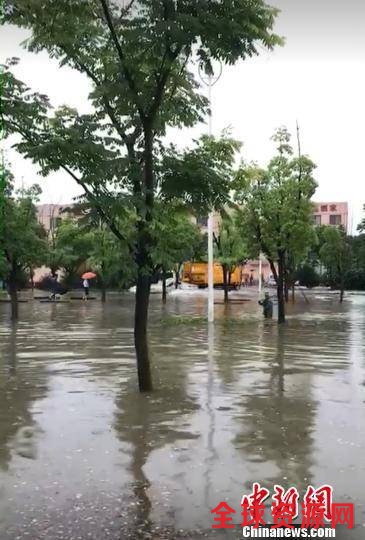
(88, 275)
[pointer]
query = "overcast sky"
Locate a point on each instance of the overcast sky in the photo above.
(317, 78)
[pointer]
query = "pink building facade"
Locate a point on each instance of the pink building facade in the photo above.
(50, 216)
(331, 213)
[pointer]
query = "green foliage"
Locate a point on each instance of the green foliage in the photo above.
(137, 58)
(313, 255)
(110, 259)
(177, 320)
(23, 239)
(354, 280)
(72, 247)
(307, 276)
(361, 225)
(200, 176)
(230, 247)
(276, 201)
(357, 244)
(176, 238)
(134, 50)
(335, 254)
(277, 210)
(342, 258)
(200, 253)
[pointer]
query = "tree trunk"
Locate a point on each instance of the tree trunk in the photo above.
(286, 289)
(102, 282)
(280, 290)
(225, 282)
(32, 281)
(342, 292)
(13, 292)
(177, 274)
(164, 295)
(103, 292)
(144, 266)
(293, 293)
(140, 331)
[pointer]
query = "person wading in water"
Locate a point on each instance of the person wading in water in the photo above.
(267, 305)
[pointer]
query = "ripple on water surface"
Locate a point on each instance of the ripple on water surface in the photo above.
(251, 403)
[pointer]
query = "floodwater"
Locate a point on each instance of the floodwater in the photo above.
(83, 455)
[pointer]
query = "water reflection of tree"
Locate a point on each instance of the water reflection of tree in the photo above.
(20, 386)
(235, 343)
(278, 423)
(152, 421)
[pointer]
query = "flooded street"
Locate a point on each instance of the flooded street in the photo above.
(84, 455)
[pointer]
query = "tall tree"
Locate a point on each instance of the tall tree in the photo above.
(72, 247)
(5, 190)
(231, 249)
(108, 256)
(335, 254)
(137, 57)
(109, 259)
(24, 244)
(277, 209)
(176, 239)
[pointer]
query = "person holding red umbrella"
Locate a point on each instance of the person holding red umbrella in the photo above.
(86, 276)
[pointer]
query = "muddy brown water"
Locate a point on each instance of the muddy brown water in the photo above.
(84, 455)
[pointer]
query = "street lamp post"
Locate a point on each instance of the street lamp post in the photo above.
(210, 80)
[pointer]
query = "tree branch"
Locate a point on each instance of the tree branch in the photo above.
(126, 72)
(162, 81)
(89, 193)
(109, 109)
(99, 208)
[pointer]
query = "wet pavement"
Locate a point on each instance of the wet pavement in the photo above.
(83, 455)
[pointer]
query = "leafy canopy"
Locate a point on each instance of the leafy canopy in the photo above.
(230, 243)
(177, 238)
(276, 201)
(139, 59)
(335, 252)
(23, 238)
(72, 246)
(200, 176)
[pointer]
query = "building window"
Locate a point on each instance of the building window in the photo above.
(202, 221)
(324, 208)
(335, 219)
(333, 208)
(317, 220)
(54, 223)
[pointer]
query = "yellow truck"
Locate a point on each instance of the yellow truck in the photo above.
(196, 273)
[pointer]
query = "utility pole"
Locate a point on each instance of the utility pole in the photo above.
(210, 227)
(210, 80)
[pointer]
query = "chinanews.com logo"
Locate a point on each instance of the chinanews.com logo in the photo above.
(319, 515)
